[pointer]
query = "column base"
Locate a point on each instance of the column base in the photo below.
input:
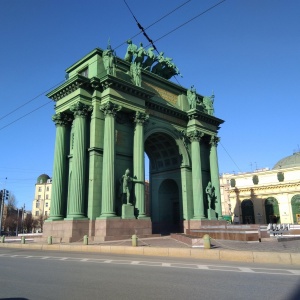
(75, 218)
(198, 218)
(107, 216)
(54, 218)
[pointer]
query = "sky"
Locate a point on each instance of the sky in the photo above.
(246, 51)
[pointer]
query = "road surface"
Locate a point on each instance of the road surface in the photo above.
(30, 274)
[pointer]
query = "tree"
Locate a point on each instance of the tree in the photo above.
(41, 221)
(29, 223)
(11, 202)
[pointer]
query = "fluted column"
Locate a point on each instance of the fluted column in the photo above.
(214, 174)
(108, 174)
(59, 178)
(139, 163)
(78, 179)
(195, 137)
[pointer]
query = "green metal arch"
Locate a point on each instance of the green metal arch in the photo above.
(186, 161)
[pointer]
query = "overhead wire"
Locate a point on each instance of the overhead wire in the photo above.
(142, 30)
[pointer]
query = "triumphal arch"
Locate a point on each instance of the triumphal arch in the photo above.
(110, 112)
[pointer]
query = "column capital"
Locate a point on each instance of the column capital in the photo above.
(195, 135)
(81, 110)
(62, 119)
(214, 140)
(140, 118)
(110, 108)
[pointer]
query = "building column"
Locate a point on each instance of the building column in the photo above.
(108, 174)
(198, 201)
(139, 163)
(214, 174)
(59, 178)
(78, 180)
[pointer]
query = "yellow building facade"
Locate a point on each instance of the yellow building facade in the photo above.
(264, 196)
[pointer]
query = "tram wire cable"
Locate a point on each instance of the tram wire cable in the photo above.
(24, 104)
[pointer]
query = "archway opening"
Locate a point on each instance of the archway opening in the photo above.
(296, 209)
(272, 210)
(248, 212)
(165, 183)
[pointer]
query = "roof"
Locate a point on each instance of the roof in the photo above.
(288, 162)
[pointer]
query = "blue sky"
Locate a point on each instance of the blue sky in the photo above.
(247, 51)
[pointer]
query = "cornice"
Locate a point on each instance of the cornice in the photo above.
(196, 114)
(168, 110)
(264, 188)
(68, 87)
(109, 81)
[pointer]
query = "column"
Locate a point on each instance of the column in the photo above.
(139, 163)
(78, 180)
(59, 178)
(214, 174)
(195, 137)
(108, 174)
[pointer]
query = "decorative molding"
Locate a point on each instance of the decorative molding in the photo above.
(81, 110)
(69, 87)
(140, 118)
(195, 135)
(109, 81)
(214, 140)
(258, 189)
(110, 109)
(62, 119)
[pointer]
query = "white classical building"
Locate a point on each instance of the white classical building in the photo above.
(264, 196)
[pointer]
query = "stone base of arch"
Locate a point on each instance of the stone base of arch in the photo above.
(203, 224)
(70, 231)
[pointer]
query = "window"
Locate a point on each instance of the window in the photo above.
(46, 213)
(46, 196)
(40, 189)
(39, 197)
(47, 188)
(37, 213)
(37, 205)
(46, 204)
(84, 72)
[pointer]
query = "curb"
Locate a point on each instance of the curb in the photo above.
(216, 254)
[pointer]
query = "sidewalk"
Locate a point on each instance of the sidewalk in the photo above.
(271, 251)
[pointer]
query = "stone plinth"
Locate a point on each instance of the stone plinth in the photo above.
(197, 224)
(67, 231)
(111, 229)
(99, 230)
(128, 211)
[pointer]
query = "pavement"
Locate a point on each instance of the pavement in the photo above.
(268, 251)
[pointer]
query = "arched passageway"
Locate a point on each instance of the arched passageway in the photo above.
(296, 209)
(165, 179)
(272, 210)
(248, 212)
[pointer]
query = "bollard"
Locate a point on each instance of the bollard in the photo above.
(134, 240)
(50, 240)
(85, 240)
(206, 241)
(3, 239)
(23, 240)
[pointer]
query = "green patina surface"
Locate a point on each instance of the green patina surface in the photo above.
(107, 114)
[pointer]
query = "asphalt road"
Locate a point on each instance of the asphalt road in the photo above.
(29, 274)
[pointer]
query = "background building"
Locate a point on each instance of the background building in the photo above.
(42, 197)
(264, 196)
